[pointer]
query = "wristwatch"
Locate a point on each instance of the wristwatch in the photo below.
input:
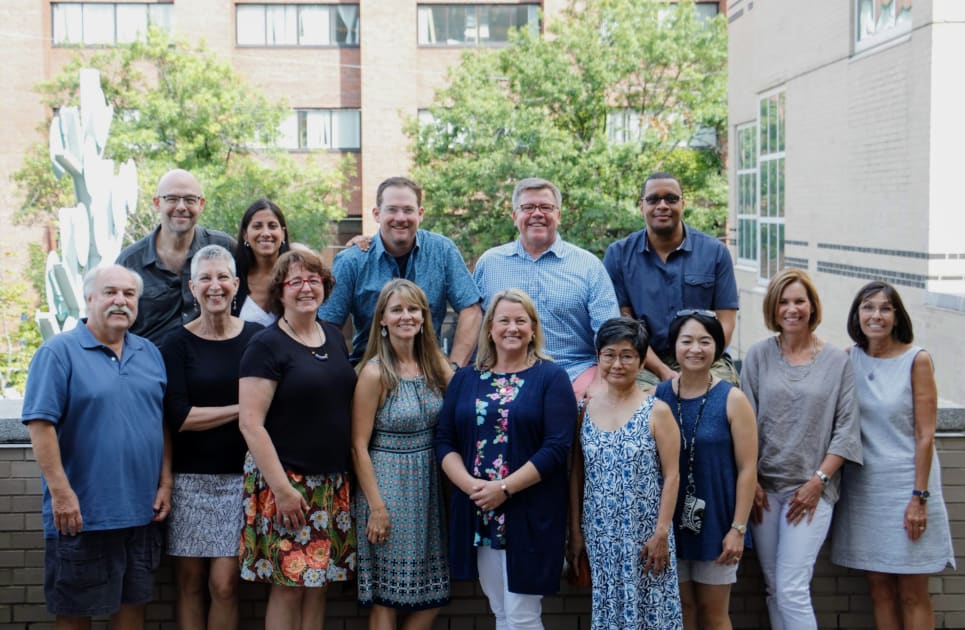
(741, 529)
(922, 495)
(506, 491)
(824, 478)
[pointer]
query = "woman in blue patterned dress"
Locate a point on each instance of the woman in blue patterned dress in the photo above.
(623, 490)
(504, 432)
(402, 378)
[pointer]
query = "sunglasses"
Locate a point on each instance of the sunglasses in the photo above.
(687, 312)
(670, 198)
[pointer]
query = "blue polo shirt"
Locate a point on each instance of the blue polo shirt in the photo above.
(109, 419)
(698, 274)
(435, 264)
(570, 288)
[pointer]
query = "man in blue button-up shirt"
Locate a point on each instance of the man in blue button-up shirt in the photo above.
(402, 250)
(668, 267)
(569, 286)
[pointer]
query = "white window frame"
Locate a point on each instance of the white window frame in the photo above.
(92, 24)
(477, 26)
(893, 22)
(296, 25)
(771, 164)
(746, 194)
(311, 129)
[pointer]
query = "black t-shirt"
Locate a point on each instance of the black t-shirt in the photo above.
(309, 419)
(204, 373)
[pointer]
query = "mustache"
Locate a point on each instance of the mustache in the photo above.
(119, 309)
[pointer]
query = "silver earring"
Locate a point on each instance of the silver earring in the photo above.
(247, 244)
(422, 329)
(385, 333)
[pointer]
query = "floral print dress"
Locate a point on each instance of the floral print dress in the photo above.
(490, 462)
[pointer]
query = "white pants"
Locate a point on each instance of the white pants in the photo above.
(787, 554)
(513, 611)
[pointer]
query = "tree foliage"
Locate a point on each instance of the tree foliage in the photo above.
(177, 105)
(540, 106)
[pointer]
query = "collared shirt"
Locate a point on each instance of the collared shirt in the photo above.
(166, 301)
(435, 264)
(570, 288)
(698, 274)
(108, 414)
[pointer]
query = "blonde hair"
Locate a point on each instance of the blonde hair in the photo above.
(776, 288)
(486, 350)
(431, 361)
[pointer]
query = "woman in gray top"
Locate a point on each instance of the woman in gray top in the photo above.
(891, 521)
(802, 391)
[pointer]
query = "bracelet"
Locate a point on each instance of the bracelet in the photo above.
(741, 529)
(824, 478)
(506, 491)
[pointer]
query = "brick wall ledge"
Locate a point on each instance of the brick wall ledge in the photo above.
(951, 422)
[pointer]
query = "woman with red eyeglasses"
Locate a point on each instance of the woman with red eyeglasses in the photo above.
(295, 397)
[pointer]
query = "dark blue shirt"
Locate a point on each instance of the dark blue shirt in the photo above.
(698, 274)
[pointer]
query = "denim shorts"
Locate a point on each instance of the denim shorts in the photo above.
(93, 573)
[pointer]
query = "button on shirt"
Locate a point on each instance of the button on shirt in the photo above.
(109, 419)
(166, 302)
(570, 288)
(698, 274)
(435, 264)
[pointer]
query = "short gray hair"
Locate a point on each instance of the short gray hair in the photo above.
(212, 252)
(536, 183)
(91, 276)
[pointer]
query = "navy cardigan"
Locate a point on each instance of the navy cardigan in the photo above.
(541, 426)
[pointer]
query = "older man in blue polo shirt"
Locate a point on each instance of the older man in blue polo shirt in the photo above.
(568, 285)
(669, 267)
(93, 407)
(402, 250)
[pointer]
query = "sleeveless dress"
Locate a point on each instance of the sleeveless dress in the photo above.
(409, 571)
(869, 519)
(715, 470)
(620, 503)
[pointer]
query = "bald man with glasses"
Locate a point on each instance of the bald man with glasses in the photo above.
(163, 257)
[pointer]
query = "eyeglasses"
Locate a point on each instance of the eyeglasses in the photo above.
(530, 208)
(626, 358)
(670, 198)
(298, 283)
(189, 200)
(687, 312)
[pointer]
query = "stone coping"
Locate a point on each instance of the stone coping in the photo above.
(12, 431)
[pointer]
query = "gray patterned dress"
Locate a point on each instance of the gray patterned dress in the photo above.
(409, 571)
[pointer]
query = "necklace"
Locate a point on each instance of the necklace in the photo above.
(318, 357)
(789, 373)
(691, 484)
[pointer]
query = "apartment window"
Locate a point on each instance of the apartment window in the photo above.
(747, 194)
(770, 200)
(297, 24)
(474, 24)
(878, 21)
(106, 24)
(336, 129)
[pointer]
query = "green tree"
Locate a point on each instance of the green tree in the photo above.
(177, 105)
(540, 106)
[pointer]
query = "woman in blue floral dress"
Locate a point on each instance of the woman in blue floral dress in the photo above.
(623, 490)
(504, 433)
(402, 377)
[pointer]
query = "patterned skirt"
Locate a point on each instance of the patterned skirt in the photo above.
(206, 516)
(322, 551)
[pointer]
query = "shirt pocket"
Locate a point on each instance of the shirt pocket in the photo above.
(698, 290)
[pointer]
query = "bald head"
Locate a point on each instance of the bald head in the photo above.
(179, 201)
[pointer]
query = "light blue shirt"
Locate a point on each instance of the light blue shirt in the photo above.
(109, 419)
(570, 288)
(435, 264)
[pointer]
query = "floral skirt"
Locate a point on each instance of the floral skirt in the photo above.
(322, 551)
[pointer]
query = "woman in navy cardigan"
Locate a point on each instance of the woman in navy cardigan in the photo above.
(503, 436)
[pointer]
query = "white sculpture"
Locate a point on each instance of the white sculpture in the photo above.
(92, 231)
